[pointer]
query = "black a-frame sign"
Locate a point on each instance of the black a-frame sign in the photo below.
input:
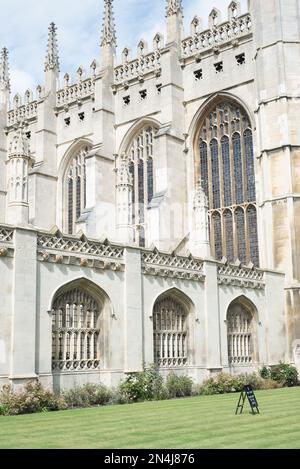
(249, 393)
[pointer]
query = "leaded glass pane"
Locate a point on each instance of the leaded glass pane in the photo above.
(204, 167)
(252, 234)
(215, 173)
(248, 144)
(226, 171)
(150, 178)
(217, 235)
(241, 235)
(229, 235)
(238, 169)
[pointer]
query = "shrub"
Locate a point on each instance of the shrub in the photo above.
(88, 395)
(265, 372)
(285, 374)
(226, 383)
(179, 386)
(34, 398)
(144, 386)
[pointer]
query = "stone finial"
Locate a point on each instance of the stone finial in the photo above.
(109, 36)
(214, 18)
(234, 10)
(124, 176)
(52, 57)
(19, 146)
(4, 70)
(174, 7)
(196, 25)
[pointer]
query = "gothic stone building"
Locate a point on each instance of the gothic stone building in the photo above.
(150, 210)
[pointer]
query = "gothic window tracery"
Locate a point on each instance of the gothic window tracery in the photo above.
(169, 333)
(239, 335)
(75, 331)
(141, 154)
(225, 165)
(75, 189)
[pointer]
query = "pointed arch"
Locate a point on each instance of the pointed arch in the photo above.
(72, 183)
(222, 138)
(241, 321)
(172, 329)
(139, 147)
(134, 130)
(80, 315)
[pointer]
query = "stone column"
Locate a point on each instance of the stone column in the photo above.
(23, 351)
(133, 313)
(212, 317)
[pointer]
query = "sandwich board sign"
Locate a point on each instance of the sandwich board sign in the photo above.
(248, 393)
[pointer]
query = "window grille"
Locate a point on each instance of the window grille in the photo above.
(169, 333)
(75, 332)
(239, 335)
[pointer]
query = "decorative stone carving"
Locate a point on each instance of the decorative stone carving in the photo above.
(52, 57)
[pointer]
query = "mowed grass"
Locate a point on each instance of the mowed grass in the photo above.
(198, 422)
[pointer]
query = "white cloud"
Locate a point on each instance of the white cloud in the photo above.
(24, 30)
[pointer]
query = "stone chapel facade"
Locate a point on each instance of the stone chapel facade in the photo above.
(150, 210)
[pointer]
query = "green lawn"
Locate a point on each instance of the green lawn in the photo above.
(199, 422)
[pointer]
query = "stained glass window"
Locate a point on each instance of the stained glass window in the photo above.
(252, 234)
(238, 169)
(228, 178)
(76, 189)
(248, 145)
(141, 154)
(241, 235)
(226, 171)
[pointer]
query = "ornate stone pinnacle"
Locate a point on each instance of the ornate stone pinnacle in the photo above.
(20, 145)
(109, 36)
(174, 7)
(52, 58)
(4, 70)
(124, 177)
(200, 199)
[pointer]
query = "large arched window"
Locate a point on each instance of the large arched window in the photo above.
(240, 334)
(226, 167)
(75, 189)
(169, 333)
(75, 331)
(141, 155)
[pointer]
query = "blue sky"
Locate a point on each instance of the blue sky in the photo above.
(24, 29)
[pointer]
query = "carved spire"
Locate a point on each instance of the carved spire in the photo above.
(4, 70)
(19, 146)
(52, 57)
(174, 7)
(109, 36)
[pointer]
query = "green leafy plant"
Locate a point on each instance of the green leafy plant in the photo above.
(179, 386)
